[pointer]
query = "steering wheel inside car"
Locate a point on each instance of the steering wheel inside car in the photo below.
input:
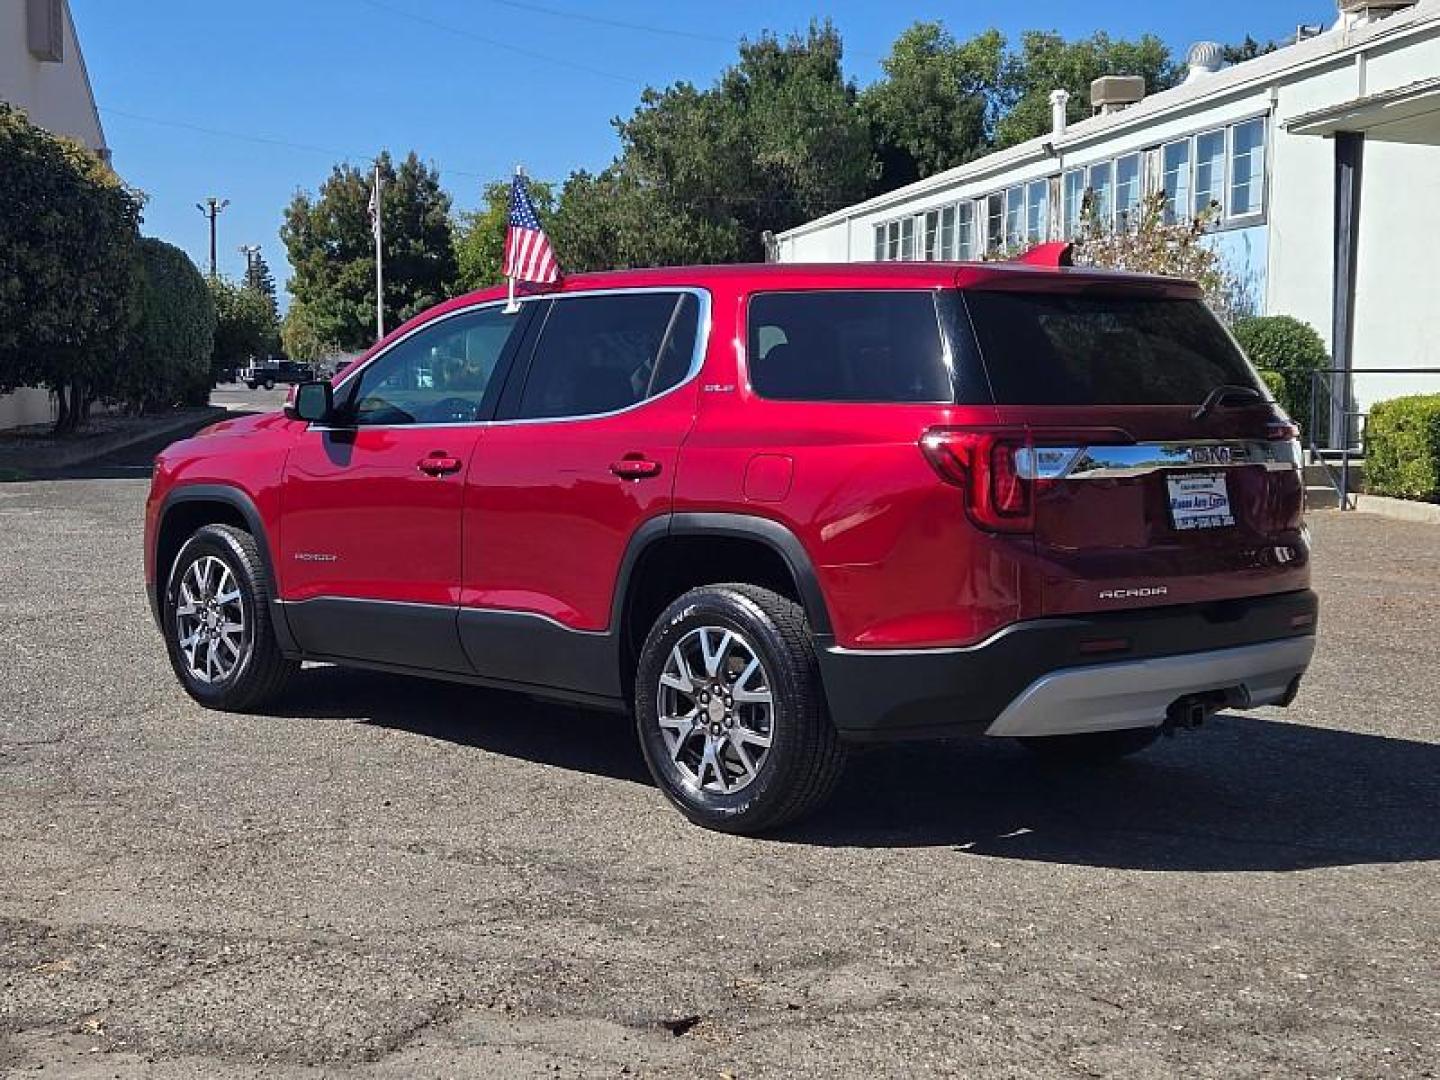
(451, 410)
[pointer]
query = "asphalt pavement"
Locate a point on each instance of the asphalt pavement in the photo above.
(395, 878)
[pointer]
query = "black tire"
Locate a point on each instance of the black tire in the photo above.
(1092, 747)
(261, 673)
(269, 384)
(253, 386)
(805, 757)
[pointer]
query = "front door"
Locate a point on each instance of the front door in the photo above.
(582, 453)
(370, 528)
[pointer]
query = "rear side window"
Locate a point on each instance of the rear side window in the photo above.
(881, 346)
(597, 354)
(1086, 349)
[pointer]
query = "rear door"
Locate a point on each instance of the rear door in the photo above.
(1139, 495)
(582, 453)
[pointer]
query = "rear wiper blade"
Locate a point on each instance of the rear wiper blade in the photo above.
(1223, 393)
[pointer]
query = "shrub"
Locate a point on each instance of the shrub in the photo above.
(67, 244)
(245, 325)
(1276, 382)
(167, 361)
(1402, 448)
(1290, 348)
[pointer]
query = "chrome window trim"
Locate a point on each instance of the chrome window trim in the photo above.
(1140, 459)
(697, 359)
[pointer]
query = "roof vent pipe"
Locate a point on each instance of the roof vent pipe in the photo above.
(1058, 100)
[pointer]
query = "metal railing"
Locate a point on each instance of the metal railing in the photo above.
(1352, 422)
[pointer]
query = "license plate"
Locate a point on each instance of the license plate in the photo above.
(1199, 501)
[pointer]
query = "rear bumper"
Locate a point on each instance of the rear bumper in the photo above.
(1043, 677)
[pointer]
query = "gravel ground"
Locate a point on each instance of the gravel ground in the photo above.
(398, 878)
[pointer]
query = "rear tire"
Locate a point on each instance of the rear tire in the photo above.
(217, 622)
(731, 712)
(269, 384)
(1091, 747)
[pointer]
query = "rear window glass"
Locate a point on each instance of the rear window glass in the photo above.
(848, 346)
(1069, 349)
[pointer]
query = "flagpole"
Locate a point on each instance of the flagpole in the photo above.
(379, 262)
(511, 306)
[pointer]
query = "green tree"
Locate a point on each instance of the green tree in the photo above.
(1046, 62)
(702, 174)
(1248, 49)
(245, 325)
(937, 104)
(259, 279)
(68, 231)
(480, 234)
(167, 359)
(332, 251)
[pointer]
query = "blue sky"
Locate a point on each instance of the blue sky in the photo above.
(472, 85)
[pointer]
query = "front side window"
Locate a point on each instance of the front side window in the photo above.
(877, 346)
(438, 375)
(600, 354)
(1175, 179)
(1247, 168)
(1209, 170)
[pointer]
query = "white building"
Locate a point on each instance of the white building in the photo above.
(1324, 157)
(43, 73)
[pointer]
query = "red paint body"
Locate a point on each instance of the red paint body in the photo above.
(538, 514)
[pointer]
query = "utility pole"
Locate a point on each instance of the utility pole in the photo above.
(211, 208)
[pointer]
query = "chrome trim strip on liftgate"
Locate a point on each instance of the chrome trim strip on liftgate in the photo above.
(1137, 693)
(1138, 459)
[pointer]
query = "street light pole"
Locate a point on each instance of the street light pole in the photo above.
(211, 208)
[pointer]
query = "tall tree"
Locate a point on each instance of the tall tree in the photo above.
(937, 103)
(68, 235)
(1248, 49)
(1046, 62)
(245, 325)
(258, 279)
(332, 252)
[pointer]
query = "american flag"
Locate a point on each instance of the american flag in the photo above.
(528, 255)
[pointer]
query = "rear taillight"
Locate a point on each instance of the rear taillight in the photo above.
(1280, 430)
(983, 463)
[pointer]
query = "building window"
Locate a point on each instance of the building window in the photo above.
(892, 241)
(1072, 199)
(1209, 171)
(995, 222)
(879, 243)
(1014, 216)
(1247, 168)
(932, 236)
(1102, 184)
(1037, 211)
(947, 233)
(1175, 179)
(1129, 187)
(907, 239)
(965, 231)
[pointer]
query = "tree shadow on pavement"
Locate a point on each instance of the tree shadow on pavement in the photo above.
(1243, 793)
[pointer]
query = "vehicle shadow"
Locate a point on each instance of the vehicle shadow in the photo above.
(1244, 793)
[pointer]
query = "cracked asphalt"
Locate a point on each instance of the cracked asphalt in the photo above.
(393, 878)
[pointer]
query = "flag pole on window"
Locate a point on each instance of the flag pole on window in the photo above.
(528, 254)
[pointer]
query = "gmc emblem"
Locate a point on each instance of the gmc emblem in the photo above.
(1210, 455)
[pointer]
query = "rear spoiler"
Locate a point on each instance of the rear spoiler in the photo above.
(1056, 253)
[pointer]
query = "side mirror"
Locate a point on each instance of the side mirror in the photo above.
(314, 401)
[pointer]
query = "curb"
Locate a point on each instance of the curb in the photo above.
(63, 457)
(1399, 509)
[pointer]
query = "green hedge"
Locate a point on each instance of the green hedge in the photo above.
(1291, 349)
(1402, 448)
(167, 361)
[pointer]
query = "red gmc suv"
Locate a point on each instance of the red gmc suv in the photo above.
(773, 510)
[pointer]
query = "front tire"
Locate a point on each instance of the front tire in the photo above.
(1091, 747)
(731, 712)
(217, 621)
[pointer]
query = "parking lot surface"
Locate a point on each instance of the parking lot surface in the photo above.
(400, 878)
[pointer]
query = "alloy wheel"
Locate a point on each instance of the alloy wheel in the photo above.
(716, 710)
(210, 620)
